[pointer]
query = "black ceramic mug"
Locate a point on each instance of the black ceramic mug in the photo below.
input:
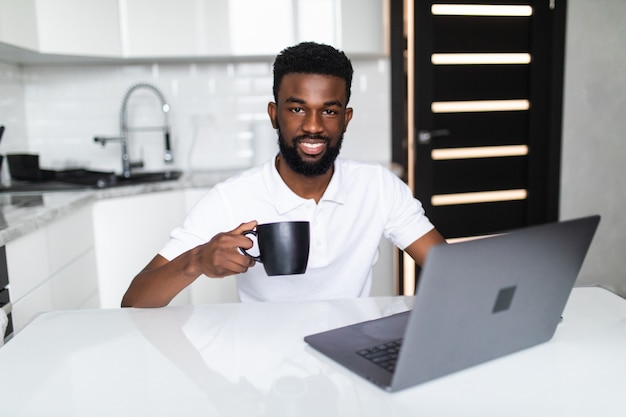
(283, 247)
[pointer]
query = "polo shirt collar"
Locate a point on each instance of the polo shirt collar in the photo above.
(286, 200)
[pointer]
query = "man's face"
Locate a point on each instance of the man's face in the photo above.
(311, 117)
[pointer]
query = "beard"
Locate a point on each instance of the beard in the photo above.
(309, 169)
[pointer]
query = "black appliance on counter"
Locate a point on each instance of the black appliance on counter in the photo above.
(25, 167)
(27, 175)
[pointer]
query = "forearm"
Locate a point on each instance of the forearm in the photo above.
(160, 281)
(418, 250)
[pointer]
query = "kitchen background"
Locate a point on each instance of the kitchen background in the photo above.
(218, 113)
(219, 121)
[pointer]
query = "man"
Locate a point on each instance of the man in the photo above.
(349, 204)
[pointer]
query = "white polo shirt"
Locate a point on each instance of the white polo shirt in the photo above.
(362, 203)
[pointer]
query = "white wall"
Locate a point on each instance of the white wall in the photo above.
(594, 134)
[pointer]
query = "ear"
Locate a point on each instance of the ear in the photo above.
(271, 111)
(346, 118)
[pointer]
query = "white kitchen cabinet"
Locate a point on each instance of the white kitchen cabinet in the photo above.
(65, 27)
(364, 26)
(128, 233)
(355, 26)
(265, 28)
(167, 28)
(79, 27)
(18, 23)
(206, 290)
(52, 268)
(190, 28)
(261, 28)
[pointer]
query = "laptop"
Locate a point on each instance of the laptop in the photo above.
(476, 301)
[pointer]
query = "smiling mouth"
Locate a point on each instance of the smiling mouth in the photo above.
(312, 148)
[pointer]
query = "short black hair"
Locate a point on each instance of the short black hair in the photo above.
(312, 58)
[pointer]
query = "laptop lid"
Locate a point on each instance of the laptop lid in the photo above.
(476, 301)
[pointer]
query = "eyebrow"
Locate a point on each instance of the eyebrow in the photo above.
(326, 103)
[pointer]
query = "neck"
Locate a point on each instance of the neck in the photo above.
(303, 186)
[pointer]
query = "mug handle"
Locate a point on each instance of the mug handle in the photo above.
(250, 232)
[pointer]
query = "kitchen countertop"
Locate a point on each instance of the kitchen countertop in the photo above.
(25, 212)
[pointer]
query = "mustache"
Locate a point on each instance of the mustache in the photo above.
(311, 137)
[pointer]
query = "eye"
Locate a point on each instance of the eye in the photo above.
(296, 110)
(329, 112)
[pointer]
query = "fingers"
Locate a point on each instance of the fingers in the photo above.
(221, 255)
(220, 259)
(245, 226)
(238, 231)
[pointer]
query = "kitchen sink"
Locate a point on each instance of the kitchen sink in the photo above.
(97, 179)
(81, 179)
(142, 177)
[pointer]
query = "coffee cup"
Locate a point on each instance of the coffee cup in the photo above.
(283, 247)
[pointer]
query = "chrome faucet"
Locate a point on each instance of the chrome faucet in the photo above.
(168, 157)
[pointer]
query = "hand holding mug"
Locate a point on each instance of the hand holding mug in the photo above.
(283, 247)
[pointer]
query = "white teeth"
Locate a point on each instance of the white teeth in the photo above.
(312, 145)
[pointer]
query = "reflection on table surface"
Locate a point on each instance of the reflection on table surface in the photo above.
(194, 360)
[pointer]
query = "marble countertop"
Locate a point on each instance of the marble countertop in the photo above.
(25, 212)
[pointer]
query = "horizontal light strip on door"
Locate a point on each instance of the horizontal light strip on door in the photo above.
(478, 197)
(480, 10)
(479, 152)
(468, 238)
(480, 59)
(479, 106)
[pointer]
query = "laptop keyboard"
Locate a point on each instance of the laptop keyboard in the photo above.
(384, 355)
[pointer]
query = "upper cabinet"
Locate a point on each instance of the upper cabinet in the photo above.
(62, 27)
(79, 27)
(167, 28)
(190, 28)
(18, 23)
(174, 28)
(364, 26)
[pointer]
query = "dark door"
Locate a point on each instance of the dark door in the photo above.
(479, 132)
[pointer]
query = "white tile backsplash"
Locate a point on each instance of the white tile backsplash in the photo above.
(216, 111)
(12, 110)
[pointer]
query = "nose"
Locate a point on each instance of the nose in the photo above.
(313, 123)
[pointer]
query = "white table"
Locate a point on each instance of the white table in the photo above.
(250, 360)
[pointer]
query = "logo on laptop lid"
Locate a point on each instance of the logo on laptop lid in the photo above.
(504, 299)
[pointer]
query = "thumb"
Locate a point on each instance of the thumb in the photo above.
(245, 226)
